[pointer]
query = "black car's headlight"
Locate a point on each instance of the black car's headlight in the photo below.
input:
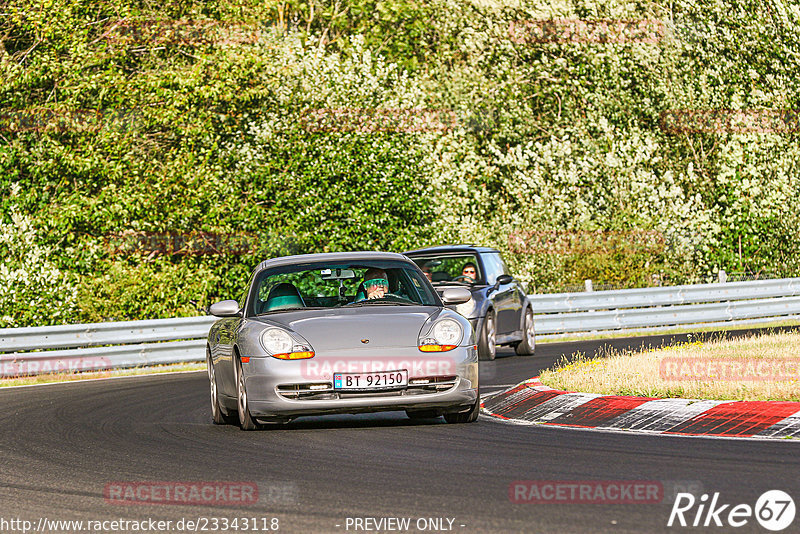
(466, 308)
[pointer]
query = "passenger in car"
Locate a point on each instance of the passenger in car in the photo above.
(428, 270)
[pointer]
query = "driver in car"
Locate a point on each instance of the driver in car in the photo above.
(469, 271)
(376, 283)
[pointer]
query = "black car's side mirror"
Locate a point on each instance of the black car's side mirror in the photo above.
(504, 279)
(499, 281)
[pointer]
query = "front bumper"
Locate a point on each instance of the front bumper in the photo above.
(446, 381)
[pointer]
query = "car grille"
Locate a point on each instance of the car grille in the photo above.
(325, 391)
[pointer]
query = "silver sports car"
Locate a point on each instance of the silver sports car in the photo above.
(341, 333)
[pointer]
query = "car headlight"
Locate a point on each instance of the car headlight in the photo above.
(445, 335)
(280, 344)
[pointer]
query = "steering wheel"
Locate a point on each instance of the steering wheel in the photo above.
(464, 277)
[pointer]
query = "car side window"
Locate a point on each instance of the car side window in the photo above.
(494, 266)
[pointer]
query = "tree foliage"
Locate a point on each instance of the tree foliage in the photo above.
(183, 117)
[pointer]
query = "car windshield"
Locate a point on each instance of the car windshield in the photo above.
(329, 285)
(449, 269)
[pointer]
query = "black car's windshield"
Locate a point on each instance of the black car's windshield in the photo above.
(329, 285)
(450, 268)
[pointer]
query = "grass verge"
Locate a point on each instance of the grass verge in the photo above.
(758, 367)
(689, 329)
(75, 376)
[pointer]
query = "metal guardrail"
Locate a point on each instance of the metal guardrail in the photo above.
(28, 351)
(658, 307)
(88, 335)
(86, 347)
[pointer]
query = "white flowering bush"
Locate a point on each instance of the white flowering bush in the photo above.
(33, 291)
(566, 138)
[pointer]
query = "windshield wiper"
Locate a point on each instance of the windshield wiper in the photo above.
(270, 312)
(376, 302)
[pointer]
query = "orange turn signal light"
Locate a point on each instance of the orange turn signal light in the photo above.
(245, 359)
(294, 355)
(436, 348)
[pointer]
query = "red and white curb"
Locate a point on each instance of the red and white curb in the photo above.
(531, 402)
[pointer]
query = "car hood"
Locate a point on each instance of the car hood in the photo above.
(342, 328)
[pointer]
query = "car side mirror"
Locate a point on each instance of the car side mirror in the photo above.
(499, 281)
(504, 279)
(456, 295)
(225, 308)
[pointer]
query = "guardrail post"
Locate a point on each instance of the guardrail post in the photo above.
(723, 276)
(588, 284)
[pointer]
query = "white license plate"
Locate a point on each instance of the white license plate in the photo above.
(370, 381)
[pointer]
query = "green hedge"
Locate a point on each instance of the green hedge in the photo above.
(192, 118)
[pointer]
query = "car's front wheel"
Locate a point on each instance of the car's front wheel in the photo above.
(487, 341)
(246, 421)
(528, 343)
(469, 416)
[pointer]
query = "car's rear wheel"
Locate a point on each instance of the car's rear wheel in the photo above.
(528, 343)
(246, 421)
(469, 416)
(217, 415)
(487, 341)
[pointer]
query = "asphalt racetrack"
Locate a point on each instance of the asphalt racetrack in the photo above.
(61, 446)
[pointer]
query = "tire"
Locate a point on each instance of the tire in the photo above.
(246, 421)
(487, 346)
(528, 343)
(465, 417)
(422, 414)
(217, 415)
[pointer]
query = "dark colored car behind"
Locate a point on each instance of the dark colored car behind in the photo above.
(499, 310)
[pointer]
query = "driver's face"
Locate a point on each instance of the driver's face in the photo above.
(470, 272)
